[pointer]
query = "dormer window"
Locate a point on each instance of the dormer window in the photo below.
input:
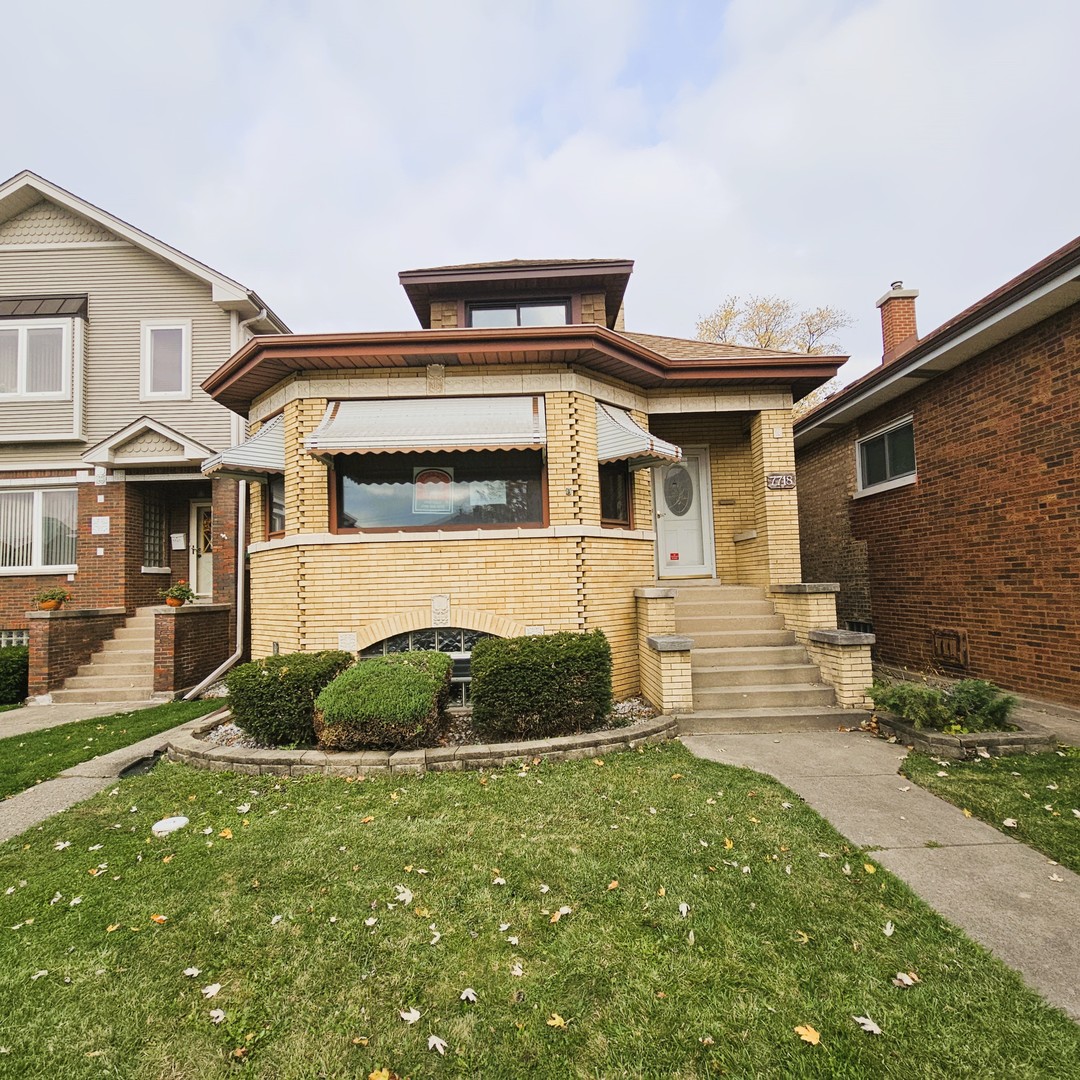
(524, 313)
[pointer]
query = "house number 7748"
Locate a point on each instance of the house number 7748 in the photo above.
(784, 481)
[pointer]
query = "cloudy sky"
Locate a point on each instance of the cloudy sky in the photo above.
(813, 149)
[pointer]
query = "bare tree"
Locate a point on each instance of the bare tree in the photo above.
(771, 322)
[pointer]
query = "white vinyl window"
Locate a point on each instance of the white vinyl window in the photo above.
(35, 359)
(38, 530)
(166, 359)
(886, 459)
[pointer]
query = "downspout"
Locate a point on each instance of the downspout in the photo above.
(241, 551)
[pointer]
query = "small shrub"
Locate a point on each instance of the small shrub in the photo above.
(967, 706)
(395, 702)
(14, 674)
(540, 687)
(273, 699)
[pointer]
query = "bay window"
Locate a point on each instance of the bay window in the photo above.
(38, 530)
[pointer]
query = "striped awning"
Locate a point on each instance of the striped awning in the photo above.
(620, 438)
(260, 455)
(398, 426)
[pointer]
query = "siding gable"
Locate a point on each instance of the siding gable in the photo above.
(47, 223)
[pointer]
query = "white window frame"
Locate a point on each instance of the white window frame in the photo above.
(146, 368)
(894, 482)
(23, 326)
(36, 566)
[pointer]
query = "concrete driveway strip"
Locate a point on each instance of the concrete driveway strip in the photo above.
(1014, 901)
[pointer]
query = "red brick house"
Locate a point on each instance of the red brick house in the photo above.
(942, 490)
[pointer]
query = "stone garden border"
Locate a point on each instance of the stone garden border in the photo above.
(192, 750)
(1030, 739)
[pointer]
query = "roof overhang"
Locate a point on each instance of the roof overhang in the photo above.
(1047, 288)
(520, 277)
(261, 455)
(146, 443)
(264, 362)
(425, 424)
(26, 189)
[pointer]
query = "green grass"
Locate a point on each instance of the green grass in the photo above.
(26, 760)
(1040, 792)
(774, 935)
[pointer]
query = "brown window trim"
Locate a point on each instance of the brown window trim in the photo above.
(618, 523)
(336, 530)
(519, 302)
(270, 533)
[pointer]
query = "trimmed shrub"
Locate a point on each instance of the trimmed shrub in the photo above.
(540, 687)
(14, 674)
(395, 702)
(966, 706)
(273, 699)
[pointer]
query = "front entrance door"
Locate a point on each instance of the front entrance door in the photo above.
(201, 572)
(681, 496)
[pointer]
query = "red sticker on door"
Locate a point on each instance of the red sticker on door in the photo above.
(673, 556)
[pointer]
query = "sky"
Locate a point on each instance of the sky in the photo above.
(816, 150)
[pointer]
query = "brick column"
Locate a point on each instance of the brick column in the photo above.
(663, 655)
(776, 513)
(62, 640)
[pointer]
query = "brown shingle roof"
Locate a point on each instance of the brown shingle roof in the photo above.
(693, 349)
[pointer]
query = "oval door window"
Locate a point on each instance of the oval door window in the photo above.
(678, 490)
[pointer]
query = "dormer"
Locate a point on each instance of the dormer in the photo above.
(520, 292)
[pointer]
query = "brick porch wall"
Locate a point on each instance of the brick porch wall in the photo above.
(62, 640)
(189, 643)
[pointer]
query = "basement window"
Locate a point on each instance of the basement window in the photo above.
(886, 459)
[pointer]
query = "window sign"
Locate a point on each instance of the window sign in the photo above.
(433, 491)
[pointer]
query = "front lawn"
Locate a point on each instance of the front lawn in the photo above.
(1039, 792)
(648, 915)
(26, 760)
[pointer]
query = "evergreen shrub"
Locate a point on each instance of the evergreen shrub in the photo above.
(969, 705)
(395, 702)
(540, 687)
(14, 674)
(273, 699)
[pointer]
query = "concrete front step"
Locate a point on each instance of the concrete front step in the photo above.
(117, 668)
(761, 697)
(695, 587)
(775, 675)
(105, 682)
(721, 606)
(750, 656)
(721, 639)
(687, 624)
(757, 721)
(91, 697)
(137, 633)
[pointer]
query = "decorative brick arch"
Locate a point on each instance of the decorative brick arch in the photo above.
(420, 619)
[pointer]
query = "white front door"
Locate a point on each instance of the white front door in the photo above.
(201, 534)
(681, 497)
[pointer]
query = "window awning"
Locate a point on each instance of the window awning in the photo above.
(263, 453)
(620, 438)
(397, 426)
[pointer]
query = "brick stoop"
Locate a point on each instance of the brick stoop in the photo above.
(748, 673)
(122, 670)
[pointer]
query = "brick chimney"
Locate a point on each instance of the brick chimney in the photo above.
(898, 331)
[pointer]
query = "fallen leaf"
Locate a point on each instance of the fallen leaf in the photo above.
(556, 1021)
(613, 885)
(661, 891)
(802, 937)
(547, 888)
(706, 1040)
(360, 1040)
(366, 820)
(499, 881)
(468, 994)
(846, 869)
(217, 1016)
(517, 971)
(210, 991)
(226, 834)
(159, 919)
(411, 1016)
(370, 921)
(168, 859)
(867, 1025)
(808, 1034)
(191, 972)
(684, 909)
(598, 761)
(1056, 877)
(111, 927)
(870, 868)
(403, 895)
(435, 1043)
(38, 975)
(967, 812)
(888, 929)
(905, 979)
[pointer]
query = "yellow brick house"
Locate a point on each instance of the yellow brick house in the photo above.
(520, 464)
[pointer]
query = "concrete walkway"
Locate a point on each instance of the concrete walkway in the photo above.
(34, 805)
(39, 717)
(997, 890)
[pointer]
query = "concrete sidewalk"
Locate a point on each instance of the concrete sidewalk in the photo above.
(34, 805)
(996, 889)
(38, 717)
